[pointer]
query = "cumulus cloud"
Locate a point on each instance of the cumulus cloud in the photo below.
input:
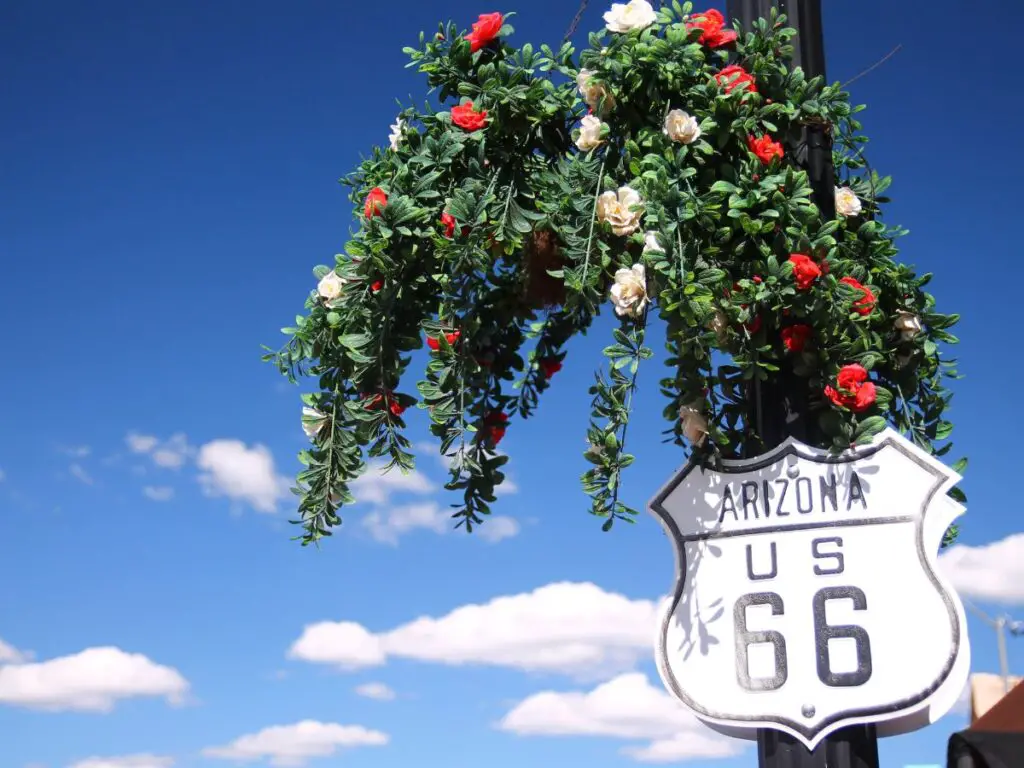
(126, 761)
(570, 628)
(626, 707)
(290, 746)
(988, 572)
(378, 691)
(169, 454)
(11, 655)
(495, 529)
(158, 492)
(388, 524)
(92, 680)
(140, 443)
(230, 468)
(376, 486)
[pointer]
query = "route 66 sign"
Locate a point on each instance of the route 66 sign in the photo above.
(807, 596)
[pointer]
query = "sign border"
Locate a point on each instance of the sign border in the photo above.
(945, 478)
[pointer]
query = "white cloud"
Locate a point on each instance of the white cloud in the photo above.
(495, 529)
(158, 492)
(388, 525)
(571, 628)
(988, 572)
(626, 707)
(232, 469)
(294, 745)
(170, 454)
(126, 761)
(92, 680)
(78, 472)
(76, 451)
(378, 691)
(375, 486)
(11, 655)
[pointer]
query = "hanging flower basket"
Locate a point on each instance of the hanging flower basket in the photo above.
(650, 174)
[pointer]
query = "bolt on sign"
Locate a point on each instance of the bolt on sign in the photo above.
(807, 596)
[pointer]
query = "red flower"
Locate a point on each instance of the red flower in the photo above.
(496, 422)
(468, 118)
(376, 285)
(765, 148)
(756, 279)
(713, 34)
(852, 390)
(866, 303)
(449, 224)
(805, 270)
(485, 29)
(396, 408)
(549, 366)
(375, 202)
(451, 338)
(795, 337)
(754, 325)
(739, 78)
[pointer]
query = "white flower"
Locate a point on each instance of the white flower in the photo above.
(330, 286)
(719, 323)
(396, 133)
(908, 324)
(695, 426)
(636, 14)
(590, 133)
(629, 293)
(847, 203)
(617, 210)
(651, 244)
(681, 127)
(592, 91)
(312, 421)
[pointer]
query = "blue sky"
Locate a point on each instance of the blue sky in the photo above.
(169, 183)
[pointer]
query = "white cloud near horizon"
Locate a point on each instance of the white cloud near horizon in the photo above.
(993, 572)
(576, 629)
(627, 707)
(93, 680)
(292, 746)
(126, 761)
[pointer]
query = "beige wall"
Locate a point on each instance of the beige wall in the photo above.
(986, 691)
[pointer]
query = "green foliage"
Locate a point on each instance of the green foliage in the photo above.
(528, 254)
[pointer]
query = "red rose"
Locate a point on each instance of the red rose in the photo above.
(805, 270)
(375, 202)
(485, 29)
(451, 338)
(549, 366)
(376, 285)
(467, 118)
(795, 337)
(866, 303)
(852, 390)
(711, 23)
(734, 76)
(496, 423)
(449, 224)
(765, 148)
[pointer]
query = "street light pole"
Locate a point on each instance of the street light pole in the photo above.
(781, 404)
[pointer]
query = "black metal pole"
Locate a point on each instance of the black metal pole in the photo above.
(781, 404)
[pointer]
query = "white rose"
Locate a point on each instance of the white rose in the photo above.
(908, 324)
(396, 133)
(312, 421)
(590, 133)
(719, 323)
(330, 286)
(617, 210)
(592, 91)
(847, 203)
(651, 244)
(681, 127)
(629, 293)
(623, 17)
(695, 426)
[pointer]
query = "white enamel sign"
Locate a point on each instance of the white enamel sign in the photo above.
(807, 596)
